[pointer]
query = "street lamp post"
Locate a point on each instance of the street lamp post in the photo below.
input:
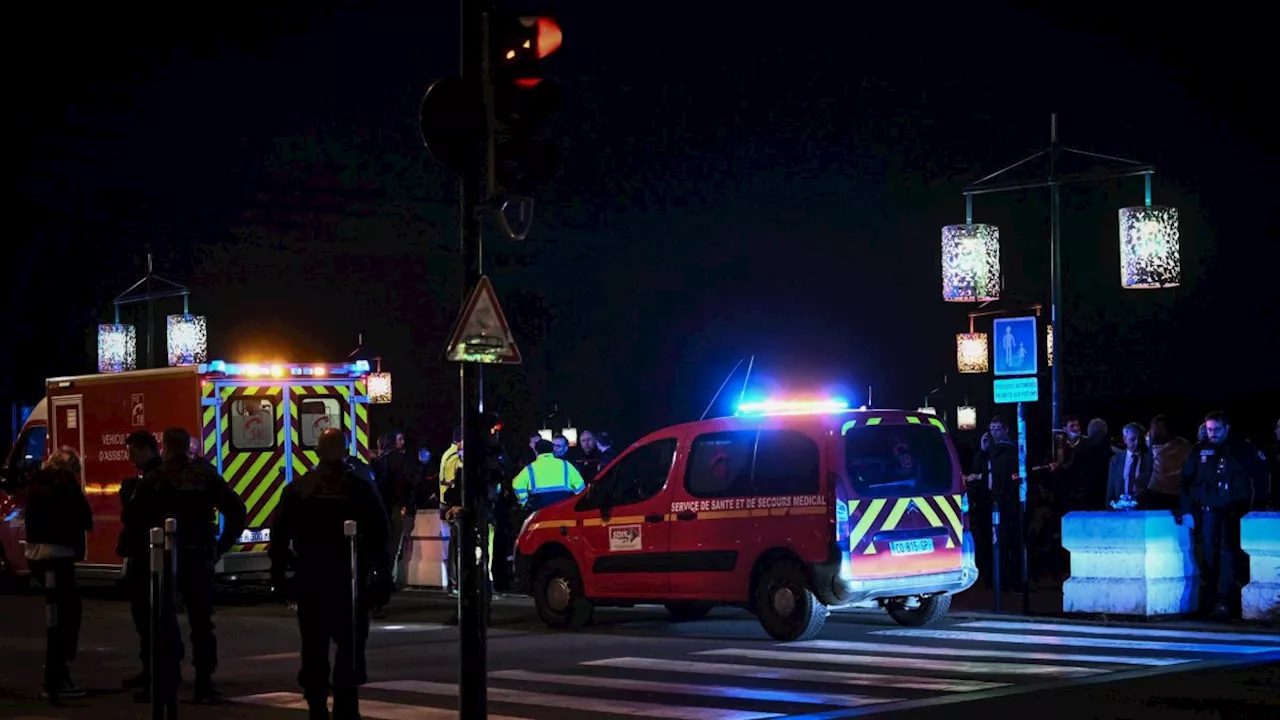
(1149, 235)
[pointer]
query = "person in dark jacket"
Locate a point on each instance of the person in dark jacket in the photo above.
(1226, 476)
(998, 459)
(133, 546)
(308, 535)
(190, 492)
(58, 516)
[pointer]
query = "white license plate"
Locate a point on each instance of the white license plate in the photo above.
(911, 547)
(256, 536)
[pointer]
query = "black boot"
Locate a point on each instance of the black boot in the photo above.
(205, 692)
(346, 704)
(317, 707)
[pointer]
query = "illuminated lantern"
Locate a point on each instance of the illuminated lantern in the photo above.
(546, 434)
(972, 354)
(1048, 343)
(966, 417)
(117, 348)
(1150, 253)
(927, 410)
(380, 388)
(188, 340)
(970, 263)
(570, 434)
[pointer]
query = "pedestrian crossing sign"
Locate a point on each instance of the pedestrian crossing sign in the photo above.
(482, 335)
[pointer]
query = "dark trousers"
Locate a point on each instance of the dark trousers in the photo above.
(1220, 557)
(1152, 500)
(453, 555)
(195, 588)
(1011, 538)
(62, 597)
(324, 617)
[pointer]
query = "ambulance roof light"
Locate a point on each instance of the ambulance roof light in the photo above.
(793, 407)
(280, 370)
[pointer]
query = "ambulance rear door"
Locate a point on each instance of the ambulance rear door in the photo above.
(250, 449)
(315, 406)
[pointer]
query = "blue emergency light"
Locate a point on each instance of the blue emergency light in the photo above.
(793, 407)
(279, 370)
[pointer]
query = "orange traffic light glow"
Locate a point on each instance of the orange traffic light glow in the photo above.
(549, 36)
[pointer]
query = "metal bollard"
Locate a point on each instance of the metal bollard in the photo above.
(54, 647)
(159, 665)
(1022, 544)
(349, 530)
(170, 609)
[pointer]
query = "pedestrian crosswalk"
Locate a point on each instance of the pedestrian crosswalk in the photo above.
(880, 672)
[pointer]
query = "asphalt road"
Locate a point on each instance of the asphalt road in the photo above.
(635, 663)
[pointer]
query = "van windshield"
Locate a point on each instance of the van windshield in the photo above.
(895, 460)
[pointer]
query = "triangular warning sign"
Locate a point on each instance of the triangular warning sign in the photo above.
(482, 335)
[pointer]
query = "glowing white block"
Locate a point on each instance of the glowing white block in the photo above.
(428, 554)
(970, 263)
(1133, 562)
(1260, 540)
(188, 340)
(380, 388)
(117, 348)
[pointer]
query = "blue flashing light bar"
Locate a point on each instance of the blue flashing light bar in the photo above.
(793, 407)
(281, 370)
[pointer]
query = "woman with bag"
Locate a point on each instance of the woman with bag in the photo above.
(58, 516)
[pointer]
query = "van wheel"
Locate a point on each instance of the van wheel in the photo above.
(784, 604)
(682, 612)
(557, 593)
(926, 612)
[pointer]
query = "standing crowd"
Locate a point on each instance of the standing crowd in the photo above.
(1208, 485)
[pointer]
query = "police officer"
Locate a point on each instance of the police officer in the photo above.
(1227, 475)
(308, 534)
(190, 491)
(547, 479)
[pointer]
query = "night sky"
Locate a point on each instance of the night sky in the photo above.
(770, 182)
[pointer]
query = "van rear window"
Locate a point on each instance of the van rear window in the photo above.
(894, 460)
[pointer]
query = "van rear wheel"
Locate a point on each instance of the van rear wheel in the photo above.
(926, 611)
(786, 607)
(558, 595)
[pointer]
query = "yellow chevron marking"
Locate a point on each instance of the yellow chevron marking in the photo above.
(895, 515)
(267, 509)
(956, 523)
(319, 389)
(275, 390)
(263, 485)
(927, 508)
(210, 413)
(950, 543)
(362, 387)
(362, 411)
(343, 391)
(299, 467)
(250, 390)
(865, 522)
(210, 441)
(233, 470)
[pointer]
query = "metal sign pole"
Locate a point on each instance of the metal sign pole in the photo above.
(995, 551)
(349, 530)
(170, 611)
(159, 660)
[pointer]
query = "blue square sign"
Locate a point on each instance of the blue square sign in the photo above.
(1015, 346)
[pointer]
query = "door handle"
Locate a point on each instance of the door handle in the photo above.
(687, 516)
(653, 518)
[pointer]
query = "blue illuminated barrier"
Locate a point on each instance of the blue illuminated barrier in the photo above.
(1260, 540)
(1129, 562)
(428, 551)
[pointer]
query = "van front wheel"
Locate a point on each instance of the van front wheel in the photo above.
(558, 596)
(917, 612)
(786, 607)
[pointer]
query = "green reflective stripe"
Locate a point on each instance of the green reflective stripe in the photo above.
(844, 429)
(913, 419)
(938, 424)
(874, 421)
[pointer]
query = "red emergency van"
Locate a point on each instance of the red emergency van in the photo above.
(786, 509)
(257, 423)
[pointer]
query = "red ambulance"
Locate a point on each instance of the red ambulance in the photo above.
(257, 423)
(788, 508)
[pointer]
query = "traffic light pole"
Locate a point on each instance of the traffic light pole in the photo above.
(472, 597)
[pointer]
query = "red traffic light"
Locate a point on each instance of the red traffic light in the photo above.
(548, 35)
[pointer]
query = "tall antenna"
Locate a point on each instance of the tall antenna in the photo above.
(869, 405)
(746, 379)
(717, 395)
